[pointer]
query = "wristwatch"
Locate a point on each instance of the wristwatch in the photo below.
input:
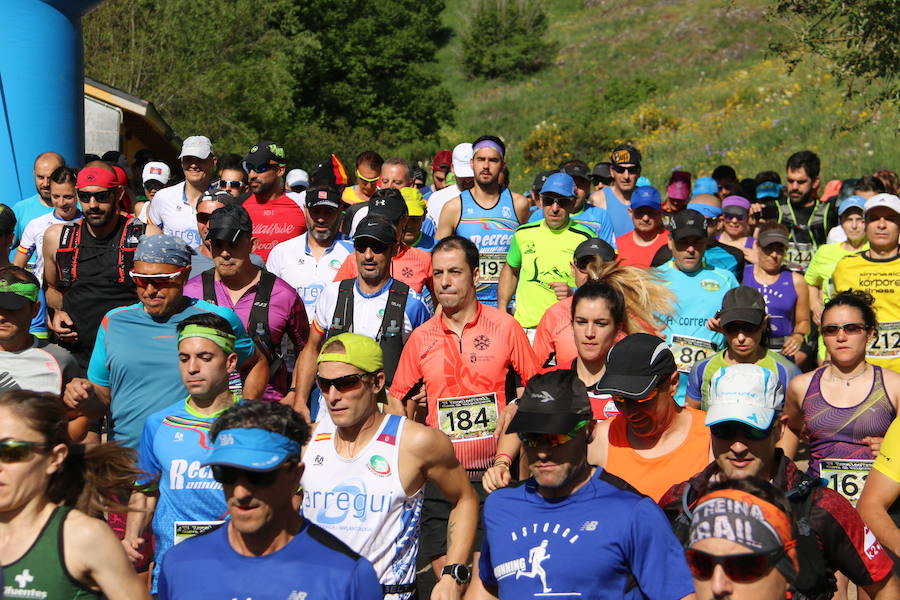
(460, 572)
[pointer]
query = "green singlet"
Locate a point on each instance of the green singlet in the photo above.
(41, 572)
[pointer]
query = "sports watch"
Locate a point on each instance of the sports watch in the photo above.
(460, 572)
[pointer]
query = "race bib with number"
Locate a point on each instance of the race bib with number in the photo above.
(798, 255)
(490, 264)
(846, 476)
(886, 342)
(468, 417)
(690, 350)
(189, 529)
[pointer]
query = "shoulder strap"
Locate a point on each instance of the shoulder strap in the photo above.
(208, 278)
(67, 253)
(342, 320)
(395, 310)
(258, 324)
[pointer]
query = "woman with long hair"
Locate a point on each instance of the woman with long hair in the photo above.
(49, 548)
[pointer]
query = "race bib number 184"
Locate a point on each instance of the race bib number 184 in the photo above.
(468, 417)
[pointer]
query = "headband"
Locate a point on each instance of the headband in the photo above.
(747, 520)
(25, 289)
(223, 340)
(487, 144)
(96, 177)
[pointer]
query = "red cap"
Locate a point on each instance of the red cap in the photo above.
(120, 174)
(96, 177)
(442, 161)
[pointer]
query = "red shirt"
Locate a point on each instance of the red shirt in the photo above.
(274, 222)
(412, 266)
(630, 253)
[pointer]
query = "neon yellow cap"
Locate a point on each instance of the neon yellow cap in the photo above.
(415, 203)
(360, 351)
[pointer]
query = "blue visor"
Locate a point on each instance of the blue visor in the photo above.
(251, 449)
(710, 212)
(852, 202)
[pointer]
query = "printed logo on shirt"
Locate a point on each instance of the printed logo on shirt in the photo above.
(297, 595)
(319, 460)
(871, 545)
(506, 212)
(379, 465)
(531, 566)
(184, 475)
(710, 285)
(482, 342)
(23, 581)
(334, 264)
(348, 499)
(178, 437)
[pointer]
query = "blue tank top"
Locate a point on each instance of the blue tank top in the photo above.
(491, 230)
(781, 298)
(618, 212)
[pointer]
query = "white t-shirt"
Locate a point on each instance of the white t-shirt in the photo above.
(293, 262)
(836, 235)
(171, 211)
(368, 310)
(32, 242)
(436, 202)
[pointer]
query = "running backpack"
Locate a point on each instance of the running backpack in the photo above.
(70, 248)
(390, 336)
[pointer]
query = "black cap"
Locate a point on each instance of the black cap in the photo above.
(217, 196)
(323, 197)
(229, 222)
(688, 223)
(625, 155)
(553, 402)
(635, 365)
(595, 247)
(577, 170)
(744, 304)
(7, 219)
(541, 178)
(265, 152)
(389, 203)
(376, 228)
(601, 170)
(418, 173)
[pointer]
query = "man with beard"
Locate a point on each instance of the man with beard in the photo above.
(267, 305)
(39, 204)
(276, 216)
(173, 208)
(807, 218)
(488, 215)
(86, 265)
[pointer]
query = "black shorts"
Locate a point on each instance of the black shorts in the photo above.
(436, 514)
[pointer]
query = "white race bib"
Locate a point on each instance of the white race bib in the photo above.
(489, 265)
(690, 350)
(886, 341)
(468, 417)
(846, 476)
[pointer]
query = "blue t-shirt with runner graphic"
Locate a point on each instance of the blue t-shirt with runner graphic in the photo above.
(174, 446)
(586, 545)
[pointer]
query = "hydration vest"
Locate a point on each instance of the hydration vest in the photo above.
(70, 247)
(814, 226)
(390, 336)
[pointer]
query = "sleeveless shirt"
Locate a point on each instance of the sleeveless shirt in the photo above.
(491, 230)
(780, 297)
(41, 572)
(362, 501)
(836, 432)
(618, 212)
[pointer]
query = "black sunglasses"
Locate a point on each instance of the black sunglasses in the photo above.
(729, 430)
(101, 197)
(203, 217)
(259, 168)
(740, 568)
(229, 475)
(563, 202)
(362, 244)
(346, 383)
(740, 326)
(13, 451)
(634, 170)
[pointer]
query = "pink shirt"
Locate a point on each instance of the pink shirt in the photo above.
(287, 315)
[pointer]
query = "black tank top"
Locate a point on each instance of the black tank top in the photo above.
(96, 289)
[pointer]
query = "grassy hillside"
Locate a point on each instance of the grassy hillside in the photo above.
(688, 81)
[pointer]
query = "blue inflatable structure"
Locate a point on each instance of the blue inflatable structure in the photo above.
(41, 87)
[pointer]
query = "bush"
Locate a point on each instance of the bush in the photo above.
(504, 38)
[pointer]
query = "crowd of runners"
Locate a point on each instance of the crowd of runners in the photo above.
(229, 378)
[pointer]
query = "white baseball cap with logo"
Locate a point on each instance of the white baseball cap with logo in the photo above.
(747, 393)
(156, 171)
(297, 177)
(889, 200)
(196, 145)
(462, 160)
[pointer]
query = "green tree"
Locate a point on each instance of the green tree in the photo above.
(857, 37)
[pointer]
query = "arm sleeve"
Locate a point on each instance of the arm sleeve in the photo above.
(514, 255)
(364, 585)
(655, 557)
(409, 369)
(98, 370)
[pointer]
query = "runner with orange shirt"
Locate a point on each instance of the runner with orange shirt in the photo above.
(463, 357)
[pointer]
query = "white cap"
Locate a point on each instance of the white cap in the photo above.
(746, 393)
(196, 145)
(889, 200)
(158, 171)
(462, 160)
(297, 177)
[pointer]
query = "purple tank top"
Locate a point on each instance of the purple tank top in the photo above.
(781, 298)
(836, 432)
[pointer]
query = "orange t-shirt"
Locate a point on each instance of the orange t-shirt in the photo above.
(554, 334)
(630, 253)
(465, 377)
(654, 476)
(412, 266)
